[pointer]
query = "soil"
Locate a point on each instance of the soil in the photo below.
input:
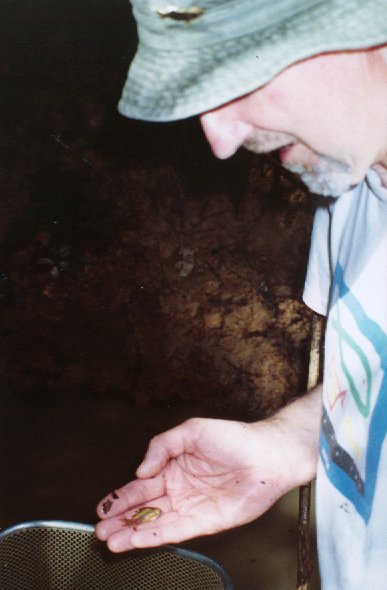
(132, 261)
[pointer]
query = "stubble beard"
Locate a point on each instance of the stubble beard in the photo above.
(263, 141)
(325, 176)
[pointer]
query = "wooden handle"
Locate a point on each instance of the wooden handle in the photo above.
(304, 566)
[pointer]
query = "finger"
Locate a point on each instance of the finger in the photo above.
(106, 528)
(170, 528)
(164, 447)
(130, 495)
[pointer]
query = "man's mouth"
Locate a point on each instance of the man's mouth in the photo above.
(285, 151)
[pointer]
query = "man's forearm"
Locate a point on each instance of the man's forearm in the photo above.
(299, 422)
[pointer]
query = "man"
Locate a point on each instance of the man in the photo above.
(308, 78)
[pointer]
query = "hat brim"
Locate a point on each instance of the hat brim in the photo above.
(166, 85)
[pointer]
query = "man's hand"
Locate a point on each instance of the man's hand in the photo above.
(210, 475)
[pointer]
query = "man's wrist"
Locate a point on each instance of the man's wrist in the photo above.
(299, 426)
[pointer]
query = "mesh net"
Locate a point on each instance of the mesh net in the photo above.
(54, 558)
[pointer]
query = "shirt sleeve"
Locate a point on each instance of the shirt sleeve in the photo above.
(318, 274)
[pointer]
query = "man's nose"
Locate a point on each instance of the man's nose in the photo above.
(224, 133)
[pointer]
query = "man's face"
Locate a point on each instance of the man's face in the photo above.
(323, 114)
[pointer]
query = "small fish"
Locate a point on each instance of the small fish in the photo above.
(184, 14)
(145, 514)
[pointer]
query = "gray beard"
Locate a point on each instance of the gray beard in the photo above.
(327, 177)
(263, 141)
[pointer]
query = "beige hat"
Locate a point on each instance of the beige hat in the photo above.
(199, 54)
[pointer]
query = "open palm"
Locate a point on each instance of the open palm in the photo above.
(205, 476)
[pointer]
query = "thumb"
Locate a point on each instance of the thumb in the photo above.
(164, 447)
(156, 458)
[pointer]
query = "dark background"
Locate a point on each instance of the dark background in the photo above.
(107, 336)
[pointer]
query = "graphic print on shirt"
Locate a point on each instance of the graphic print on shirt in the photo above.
(355, 400)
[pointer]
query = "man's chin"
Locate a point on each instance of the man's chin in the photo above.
(326, 177)
(325, 188)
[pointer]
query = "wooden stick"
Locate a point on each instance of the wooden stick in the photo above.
(304, 568)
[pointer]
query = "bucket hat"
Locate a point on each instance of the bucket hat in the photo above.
(199, 54)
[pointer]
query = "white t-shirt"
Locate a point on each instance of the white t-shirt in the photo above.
(347, 281)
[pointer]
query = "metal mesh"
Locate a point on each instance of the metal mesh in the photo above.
(48, 557)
